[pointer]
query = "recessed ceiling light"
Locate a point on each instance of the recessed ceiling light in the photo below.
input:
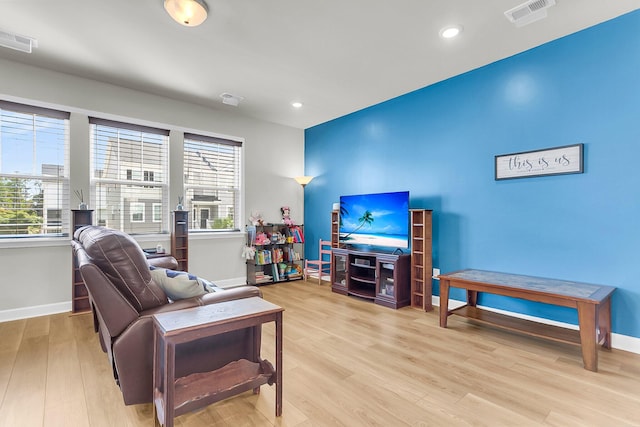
(450, 31)
(296, 104)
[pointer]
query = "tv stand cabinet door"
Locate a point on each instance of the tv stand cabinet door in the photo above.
(393, 287)
(339, 271)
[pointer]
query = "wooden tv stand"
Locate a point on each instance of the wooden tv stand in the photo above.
(381, 277)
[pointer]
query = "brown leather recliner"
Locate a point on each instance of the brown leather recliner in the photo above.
(124, 297)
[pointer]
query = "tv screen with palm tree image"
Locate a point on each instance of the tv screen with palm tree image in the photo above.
(378, 220)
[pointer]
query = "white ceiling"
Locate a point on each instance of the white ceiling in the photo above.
(335, 56)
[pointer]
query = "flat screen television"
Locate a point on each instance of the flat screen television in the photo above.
(376, 220)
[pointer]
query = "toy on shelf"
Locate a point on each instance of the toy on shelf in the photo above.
(286, 215)
(262, 239)
(248, 252)
(256, 218)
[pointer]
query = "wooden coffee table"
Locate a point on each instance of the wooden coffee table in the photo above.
(593, 303)
(175, 396)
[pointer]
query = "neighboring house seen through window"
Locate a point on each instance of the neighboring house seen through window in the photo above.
(212, 182)
(129, 178)
(34, 171)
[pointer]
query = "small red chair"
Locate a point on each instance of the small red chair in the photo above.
(320, 266)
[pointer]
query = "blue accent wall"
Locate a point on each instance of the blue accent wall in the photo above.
(439, 143)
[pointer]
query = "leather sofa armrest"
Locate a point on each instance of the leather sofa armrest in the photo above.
(166, 261)
(231, 294)
(206, 299)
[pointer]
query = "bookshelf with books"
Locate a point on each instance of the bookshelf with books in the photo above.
(277, 253)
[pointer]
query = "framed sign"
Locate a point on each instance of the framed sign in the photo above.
(551, 161)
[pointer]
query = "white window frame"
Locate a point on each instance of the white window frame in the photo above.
(47, 128)
(212, 168)
(118, 180)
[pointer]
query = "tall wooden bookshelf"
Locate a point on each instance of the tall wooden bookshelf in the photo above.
(180, 239)
(335, 229)
(79, 295)
(421, 259)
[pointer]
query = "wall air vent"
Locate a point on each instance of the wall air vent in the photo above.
(529, 12)
(17, 42)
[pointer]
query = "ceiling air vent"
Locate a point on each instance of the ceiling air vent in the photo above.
(17, 42)
(230, 99)
(529, 12)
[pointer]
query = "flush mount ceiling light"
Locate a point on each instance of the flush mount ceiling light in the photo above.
(190, 13)
(451, 31)
(230, 99)
(296, 104)
(17, 42)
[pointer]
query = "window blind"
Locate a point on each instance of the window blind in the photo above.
(129, 176)
(212, 182)
(34, 171)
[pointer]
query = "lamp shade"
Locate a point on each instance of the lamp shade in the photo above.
(187, 12)
(303, 180)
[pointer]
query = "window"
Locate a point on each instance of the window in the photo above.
(129, 176)
(156, 211)
(136, 210)
(34, 171)
(212, 182)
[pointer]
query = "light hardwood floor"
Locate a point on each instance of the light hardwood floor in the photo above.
(347, 362)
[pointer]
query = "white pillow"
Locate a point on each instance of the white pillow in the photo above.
(177, 284)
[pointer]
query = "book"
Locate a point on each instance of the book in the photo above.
(298, 236)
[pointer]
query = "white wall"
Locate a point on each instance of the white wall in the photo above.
(39, 275)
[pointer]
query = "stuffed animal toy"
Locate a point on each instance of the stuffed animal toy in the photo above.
(286, 215)
(262, 239)
(248, 252)
(256, 219)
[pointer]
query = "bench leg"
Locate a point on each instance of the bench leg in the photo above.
(444, 302)
(588, 340)
(472, 298)
(604, 324)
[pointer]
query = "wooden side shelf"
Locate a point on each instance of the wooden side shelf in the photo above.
(204, 388)
(180, 239)
(421, 259)
(79, 295)
(335, 229)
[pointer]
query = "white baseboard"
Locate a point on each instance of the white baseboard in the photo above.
(231, 283)
(618, 341)
(34, 311)
(314, 276)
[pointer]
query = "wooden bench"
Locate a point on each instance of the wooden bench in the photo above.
(593, 303)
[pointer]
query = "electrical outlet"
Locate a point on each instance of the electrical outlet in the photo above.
(436, 273)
